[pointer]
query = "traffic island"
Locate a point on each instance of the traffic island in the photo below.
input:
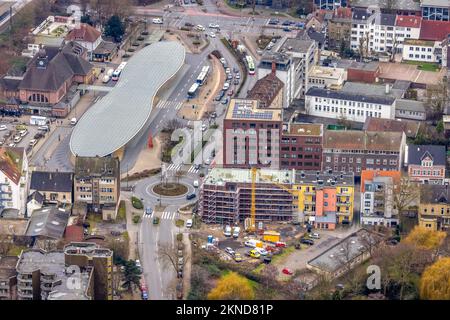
(170, 189)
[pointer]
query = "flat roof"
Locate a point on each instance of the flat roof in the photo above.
(326, 72)
(119, 116)
(305, 129)
(219, 176)
(247, 109)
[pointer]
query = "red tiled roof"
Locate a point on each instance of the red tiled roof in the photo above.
(408, 21)
(343, 13)
(434, 30)
(84, 33)
(74, 233)
(370, 174)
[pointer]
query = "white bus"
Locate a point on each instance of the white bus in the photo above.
(250, 64)
(193, 90)
(118, 71)
(38, 121)
(203, 75)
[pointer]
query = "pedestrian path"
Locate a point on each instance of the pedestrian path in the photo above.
(193, 170)
(167, 215)
(174, 167)
(166, 104)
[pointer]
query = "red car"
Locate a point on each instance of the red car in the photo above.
(280, 244)
(287, 271)
(230, 93)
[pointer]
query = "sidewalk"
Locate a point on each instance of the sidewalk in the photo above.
(133, 229)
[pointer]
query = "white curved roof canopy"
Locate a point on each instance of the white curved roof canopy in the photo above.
(118, 117)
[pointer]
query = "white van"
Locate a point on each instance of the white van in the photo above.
(73, 121)
(227, 231)
(189, 223)
(236, 232)
(195, 184)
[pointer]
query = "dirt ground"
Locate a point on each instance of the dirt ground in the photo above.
(181, 39)
(148, 158)
(408, 72)
(207, 93)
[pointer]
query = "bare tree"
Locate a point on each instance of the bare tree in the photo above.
(6, 244)
(437, 98)
(406, 194)
(169, 255)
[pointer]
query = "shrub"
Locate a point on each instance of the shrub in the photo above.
(136, 219)
(137, 203)
(179, 237)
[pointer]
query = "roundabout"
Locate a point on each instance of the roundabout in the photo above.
(170, 189)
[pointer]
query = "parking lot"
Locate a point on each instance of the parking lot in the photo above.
(18, 134)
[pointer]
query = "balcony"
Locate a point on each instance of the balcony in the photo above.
(343, 204)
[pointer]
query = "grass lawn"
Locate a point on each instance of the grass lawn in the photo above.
(122, 212)
(425, 66)
(179, 223)
(16, 250)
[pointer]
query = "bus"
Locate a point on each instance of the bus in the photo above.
(203, 75)
(193, 90)
(118, 71)
(250, 64)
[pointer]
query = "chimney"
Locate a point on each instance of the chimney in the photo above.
(274, 67)
(388, 88)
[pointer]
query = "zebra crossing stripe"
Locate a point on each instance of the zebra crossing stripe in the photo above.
(178, 106)
(192, 170)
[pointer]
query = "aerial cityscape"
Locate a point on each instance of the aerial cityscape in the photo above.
(224, 150)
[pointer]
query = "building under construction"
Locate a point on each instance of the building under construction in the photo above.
(225, 196)
(323, 199)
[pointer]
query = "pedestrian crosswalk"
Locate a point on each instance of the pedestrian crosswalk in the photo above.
(174, 167)
(165, 104)
(147, 215)
(167, 215)
(193, 170)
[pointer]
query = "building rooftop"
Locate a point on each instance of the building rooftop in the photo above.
(385, 19)
(361, 15)
(220, 176)
(365, 66)
(417, 152)
(363, 140)
(84, 32)
(90, 249)
(8, 267)
(304, 129)
(51, 181)
(344, 251)
(408, 21)
(296, 45)
(410, 105)
(436, 3)
(434, 30)
(326, 72)
(371, 175)
(48, 222)
(97, 166)
(353, 96)
(244, 109)
(324, 179)
(410, 128)
(434, 193)
(419, 42)
(119, 116)
(374, 90)
(397, 4)
(266, 89)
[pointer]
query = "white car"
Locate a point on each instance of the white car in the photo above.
(227, 70)
(204, 127)
(195, 184)
(212, 34)
(223, 61)
(33, 142)
(238, 76)
(17, 139)
(43, 128)
(11, 145)
(3, 127)
(213, 26)
(138, 264)
(23, 133)
(229, 251)
(157, 21)
(208, 161)
(262, 251)
(314, 235)
(226, 86)
(199, 27)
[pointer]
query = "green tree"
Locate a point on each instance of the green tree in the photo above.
(114, 28)
(132, 274)
(440, 127)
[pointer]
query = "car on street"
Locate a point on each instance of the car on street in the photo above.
(3, 127)
(189, 223)
(155, 220)
(11, 145)
(17, 139)
(138, 264)
(287, 271)
(144, 295)
(157, 21)
(204, 127)
(227, 70)
(148, 211)
(197, 166)
(33, 142)
(229, 76)
(287, 29)
(212, 34)
(226, 86)
(199, 27)
(238, 76)
(188, 24)
(208, 161)
(286, 23)
(230, 251)
(225, 101)
(230, 93)
(213, 26)
(274, 21)
(262, 251)
(43, 128)
(223, 61)
(190, 196)
(23, 133)
(195, 183)
(180, 261)
(236, 82)
(254, 254)
(267, 259)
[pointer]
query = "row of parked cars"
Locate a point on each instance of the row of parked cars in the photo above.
(287, 24)
(232, 77)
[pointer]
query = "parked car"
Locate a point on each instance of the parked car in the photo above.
(189, 223)
(229, 76)
(214, 26)
(314, 235)
(236, 82)
(267, 259)
(227, 70)
(238, 76)
(225, 101)
(287, 29)
(11, 145)
(212, 34)
(138, 264)
(199, 27)
(155, 220)
(309, 242)
(43, 128)
(157, 21)
(180, 261)
(23, 133)
(188, 24)
(254, 254)
(230, 251)
(237, 257)
(3, 127)
(230, 93)
(223, 61)
(262, 251)
(226, 86)
(17, 139)
(33, 142)
(148, 211)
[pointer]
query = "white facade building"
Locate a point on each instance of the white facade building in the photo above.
(422, 50)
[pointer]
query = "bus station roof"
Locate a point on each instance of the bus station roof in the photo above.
(119, 116)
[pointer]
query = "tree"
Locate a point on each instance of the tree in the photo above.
(406, 194)
(435, 281)
(232, 286)
(424, 238)
(437, 99)
(132, 274)
(440, 126)
(115, 28)
(6, 244)
(169, 255)
(268, 282)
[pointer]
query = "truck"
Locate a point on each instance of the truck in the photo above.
(254, 243)
(227, 231)
(38, 121)
(236, 232)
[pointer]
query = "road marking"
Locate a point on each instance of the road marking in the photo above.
(173, 167)
(166, 104)
(168, 215)
(193, 170)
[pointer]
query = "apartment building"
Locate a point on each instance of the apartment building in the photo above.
(340, 29)
(301, 146)
(360, 30)
(327, 77)
(329, 4)
(422, 50)
(13, 179)
(378, 190)
(41, 274)
(87, 255)
(354, 151)
(348, 105)
(435, 9)
(303, 52)
(426, 163)
(285, 71)
(55, 187)
(97, 183)
(325, 199)
(8, 279)
(434, 207)
(225, 196)
(410, 109)
(268, 91)
(251, 135)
